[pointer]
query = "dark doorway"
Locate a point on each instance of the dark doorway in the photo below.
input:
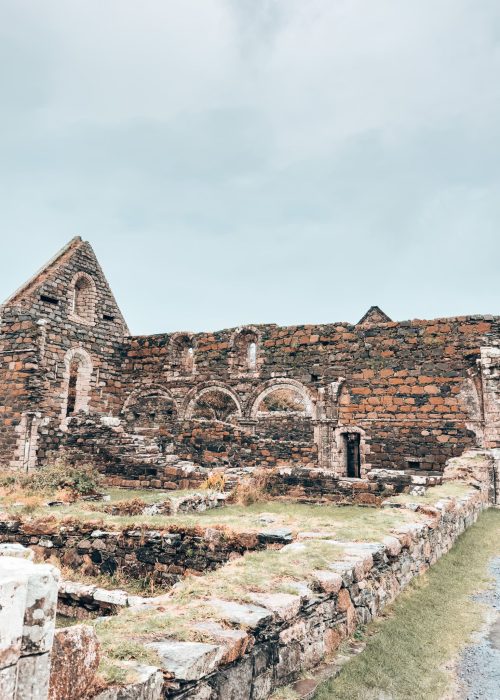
(353, 455)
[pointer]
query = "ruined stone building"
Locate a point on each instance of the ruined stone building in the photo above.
(157, 409)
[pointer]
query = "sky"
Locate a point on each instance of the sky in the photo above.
(256, 161)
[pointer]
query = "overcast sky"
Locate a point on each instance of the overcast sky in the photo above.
(239, 161)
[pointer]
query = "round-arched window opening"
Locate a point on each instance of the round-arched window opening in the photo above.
(282, 401)
(215, 405)
(84, 298)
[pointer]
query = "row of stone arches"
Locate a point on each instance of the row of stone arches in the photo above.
(218, 401)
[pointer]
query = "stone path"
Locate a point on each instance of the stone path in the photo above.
(478, 668)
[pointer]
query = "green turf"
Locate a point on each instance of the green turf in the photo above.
(425, 629)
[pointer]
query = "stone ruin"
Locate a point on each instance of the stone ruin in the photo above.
(164, 410)
(331, 413)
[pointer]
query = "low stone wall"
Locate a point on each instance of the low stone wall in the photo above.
(83, 601)
(286, 634)
(161, 556)
(156, 458)
(314, 485)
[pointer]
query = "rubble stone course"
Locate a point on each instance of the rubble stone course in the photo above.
(162, 556)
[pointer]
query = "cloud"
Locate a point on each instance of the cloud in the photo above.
(256, 159)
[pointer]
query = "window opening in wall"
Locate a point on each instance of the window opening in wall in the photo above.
(49, 300)
(244, 351)
(189, 359)
(72, 387)
(353, 455)
(413, 464)
(215, 405)
(252, 355)
(107, 317)
(83, 299)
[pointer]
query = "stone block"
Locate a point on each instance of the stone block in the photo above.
(13, 589)
(74, 662)
(148, 685)
(327, 581)
(13, 549)
(8, 682)
(187, 661)
(283, 605)
(115, 597)
(33, 673)
(41, 604)
(235, 683)
(234, 643)
(247, 615)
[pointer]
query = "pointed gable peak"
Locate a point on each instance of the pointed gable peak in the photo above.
(38, 278)
(374, 316)
(73, 274)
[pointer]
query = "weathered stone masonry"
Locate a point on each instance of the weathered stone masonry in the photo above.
(352, 397)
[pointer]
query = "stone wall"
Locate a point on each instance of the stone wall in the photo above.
(320, 485)
(43, 340)
(291, 633)
(161, 557)
(414, 392)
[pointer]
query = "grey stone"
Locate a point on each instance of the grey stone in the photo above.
(12, 549)
(235, 683)
(8, 682)
(116, 597)
(188, 661)
(279, 535)
(147, 687)
(33, 673)
(241, 614)
(284, 605)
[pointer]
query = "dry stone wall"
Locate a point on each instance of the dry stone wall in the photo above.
(286, 634)
(160, 556)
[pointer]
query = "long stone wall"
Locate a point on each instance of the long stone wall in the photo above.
(292, 633)
(160, 556)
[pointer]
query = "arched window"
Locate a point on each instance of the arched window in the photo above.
(244, 352)
(84, 298)
(72, 386)
(182, 354)
(188, 359)
(215, 405)
(252, 355)
(282, 401)
(78, 374)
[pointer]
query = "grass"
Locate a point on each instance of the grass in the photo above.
(351, 523)
(449, 489)
(425, 628)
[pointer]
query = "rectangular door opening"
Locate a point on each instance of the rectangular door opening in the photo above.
(353, 455)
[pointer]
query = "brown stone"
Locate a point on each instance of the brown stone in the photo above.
(74, 662)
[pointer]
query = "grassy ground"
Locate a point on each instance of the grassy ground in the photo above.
(349, 523)
(434, 493)
(428, 625)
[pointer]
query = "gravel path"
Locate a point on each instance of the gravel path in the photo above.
(478, 668)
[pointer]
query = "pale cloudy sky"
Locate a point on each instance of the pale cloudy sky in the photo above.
(239, 161)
